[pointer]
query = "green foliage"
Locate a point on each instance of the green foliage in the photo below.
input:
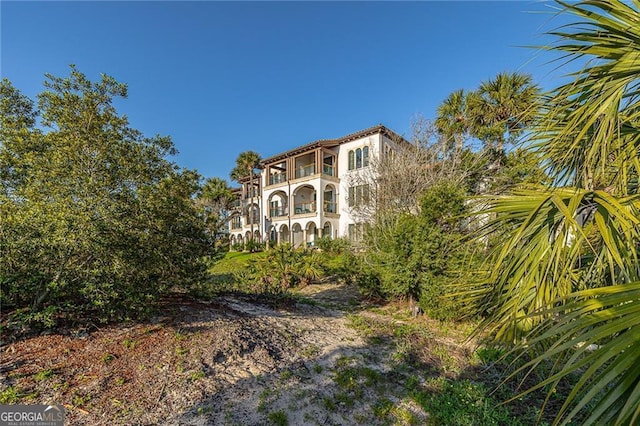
(278, 418)
(421, 256)
(253, 246)
(463, 403)
(94, 220)
(333, 246)
(502, 108)
(9, 396)
(245, 170)
(565, 277)
(28, 318)
(214, 201)
(279, 269)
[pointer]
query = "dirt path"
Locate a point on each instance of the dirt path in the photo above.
(229, 362)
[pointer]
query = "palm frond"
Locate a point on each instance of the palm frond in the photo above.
(595, 334)
(549, 244)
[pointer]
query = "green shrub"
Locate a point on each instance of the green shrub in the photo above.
(464, 403)
(278, 418)
(105, 224)
(420, 257)
(334, 246)
(27, 319)
(279, 269)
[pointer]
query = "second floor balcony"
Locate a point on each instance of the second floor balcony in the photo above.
(330, 207)
(277, 211)
(328, 169)
(305, 171)
(277, 178)
(304, 208)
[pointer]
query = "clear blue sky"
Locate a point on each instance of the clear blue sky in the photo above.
(221, 77)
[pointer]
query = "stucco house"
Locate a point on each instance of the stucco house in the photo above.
(308, 192)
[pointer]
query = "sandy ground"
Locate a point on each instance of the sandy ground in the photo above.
(229, 362)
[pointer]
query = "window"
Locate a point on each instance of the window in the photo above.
(235, 222)
(359, 158)
(275, 210)
(253, 215)
(359, 195)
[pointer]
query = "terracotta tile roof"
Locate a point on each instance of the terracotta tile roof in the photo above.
(329, 143)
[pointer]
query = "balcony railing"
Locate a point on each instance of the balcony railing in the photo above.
(277, 212)
(277, 178)
(328, 169)
(305, 171)
(302, 208)
(330, 207)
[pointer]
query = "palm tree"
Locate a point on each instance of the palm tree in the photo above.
(501, 109)
(216, 199)
(246, 165)
(566, 275)
(452, 122)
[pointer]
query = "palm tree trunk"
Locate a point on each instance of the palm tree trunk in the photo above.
(251, 207)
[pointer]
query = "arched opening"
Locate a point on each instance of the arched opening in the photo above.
(304, 200)
(311, 234)
(327, 230)
(278, 205)
(252, 215)
(284, 234)
(298, 235)
(273, 236)
(236, 221)
(329, 200)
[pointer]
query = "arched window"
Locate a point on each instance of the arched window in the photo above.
(358, 158)
(351, 160)
(326, 231)
(365, 156)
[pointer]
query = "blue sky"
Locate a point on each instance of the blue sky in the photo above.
(224, 77)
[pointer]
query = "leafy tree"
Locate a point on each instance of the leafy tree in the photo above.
(566, 273)
(417, 256)
(246, 165)
(216, 200)
(93, 217)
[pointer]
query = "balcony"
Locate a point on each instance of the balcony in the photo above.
(277, 178)
(277, 212)
(304, 208)
(330, 207)
(305, 171)
(328, 169)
